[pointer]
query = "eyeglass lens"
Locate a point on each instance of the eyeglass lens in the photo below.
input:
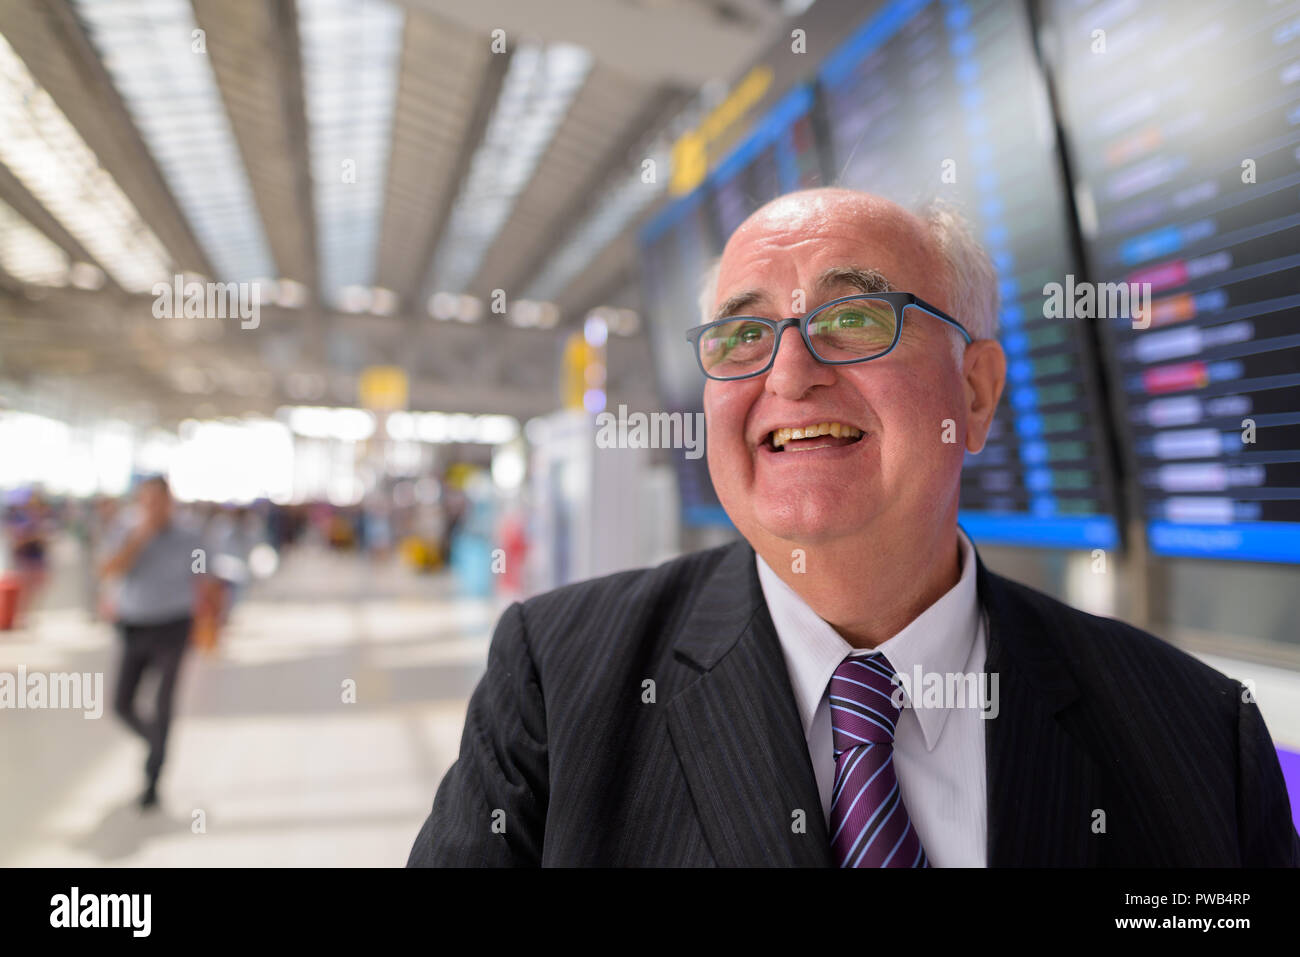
(857, 329)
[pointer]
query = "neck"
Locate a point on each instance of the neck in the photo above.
(869, 588)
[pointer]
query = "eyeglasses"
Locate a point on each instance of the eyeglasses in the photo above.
(841, 332)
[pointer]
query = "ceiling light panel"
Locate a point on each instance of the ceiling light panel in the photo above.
(538, 89)
(159, 65)
(27, 254)
(48, 156)
(351, 52)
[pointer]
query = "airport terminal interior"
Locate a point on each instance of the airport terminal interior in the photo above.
(394, 294)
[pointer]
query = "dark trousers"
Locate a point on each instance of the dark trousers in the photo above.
(151, 647)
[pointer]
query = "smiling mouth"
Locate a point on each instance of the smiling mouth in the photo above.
(825, 435)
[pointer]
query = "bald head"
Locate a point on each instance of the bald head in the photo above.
(815, 209)
(935, 243)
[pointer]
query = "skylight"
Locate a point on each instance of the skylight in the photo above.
(49, 157)
(351, 51)
(162, 72)
(539, 87)
(26, 253)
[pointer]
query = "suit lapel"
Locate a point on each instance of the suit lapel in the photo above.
(1042, 783)
(737, 732)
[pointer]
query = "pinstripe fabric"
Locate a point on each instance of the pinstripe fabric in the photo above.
(1113, 748)
(647, 719)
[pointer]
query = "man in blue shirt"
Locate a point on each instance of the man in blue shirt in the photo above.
(160, 563)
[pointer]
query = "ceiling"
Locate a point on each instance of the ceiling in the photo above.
(349, 159)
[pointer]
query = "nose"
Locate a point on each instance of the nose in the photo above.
(795, 371)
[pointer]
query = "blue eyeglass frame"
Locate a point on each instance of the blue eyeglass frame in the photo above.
(898, 300)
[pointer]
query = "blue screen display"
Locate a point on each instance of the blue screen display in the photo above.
(946, 101)
(1189, 186)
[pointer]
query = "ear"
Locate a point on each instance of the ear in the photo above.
(984, 369)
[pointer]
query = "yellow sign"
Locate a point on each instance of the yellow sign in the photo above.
(690, 155)
(573, 377)
(383, 388)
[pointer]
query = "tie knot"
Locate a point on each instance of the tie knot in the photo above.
(862, 702)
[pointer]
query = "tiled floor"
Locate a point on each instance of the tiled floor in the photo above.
(267, 765)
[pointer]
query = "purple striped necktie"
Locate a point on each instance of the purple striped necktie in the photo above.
(869, 824)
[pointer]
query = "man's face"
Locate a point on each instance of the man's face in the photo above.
(900, 469)
(155, 502)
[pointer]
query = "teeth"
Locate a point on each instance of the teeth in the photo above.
(837, 429)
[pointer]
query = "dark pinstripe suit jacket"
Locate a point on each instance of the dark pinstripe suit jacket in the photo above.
(564, 761)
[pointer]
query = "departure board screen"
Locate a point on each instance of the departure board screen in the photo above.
(945, 100)
(780, 155)
(1183, 128)
(676, 249)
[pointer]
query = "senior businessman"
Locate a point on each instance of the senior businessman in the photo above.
(755, 704)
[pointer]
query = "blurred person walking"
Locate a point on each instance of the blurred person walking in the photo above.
(29, 527)
(160, 562)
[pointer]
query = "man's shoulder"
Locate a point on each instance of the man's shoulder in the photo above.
(649, 602)
(1100, 649)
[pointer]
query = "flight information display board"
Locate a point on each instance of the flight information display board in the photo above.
(945, 100)
(778, 156)
(676, 249)
(1183, 128)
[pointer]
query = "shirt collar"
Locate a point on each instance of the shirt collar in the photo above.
(939, 640)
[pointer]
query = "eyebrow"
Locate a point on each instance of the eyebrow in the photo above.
(738, 302)
(863, 280)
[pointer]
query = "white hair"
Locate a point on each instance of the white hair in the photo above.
(971, 280)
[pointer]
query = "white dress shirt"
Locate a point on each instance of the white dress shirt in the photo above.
(938, 751)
